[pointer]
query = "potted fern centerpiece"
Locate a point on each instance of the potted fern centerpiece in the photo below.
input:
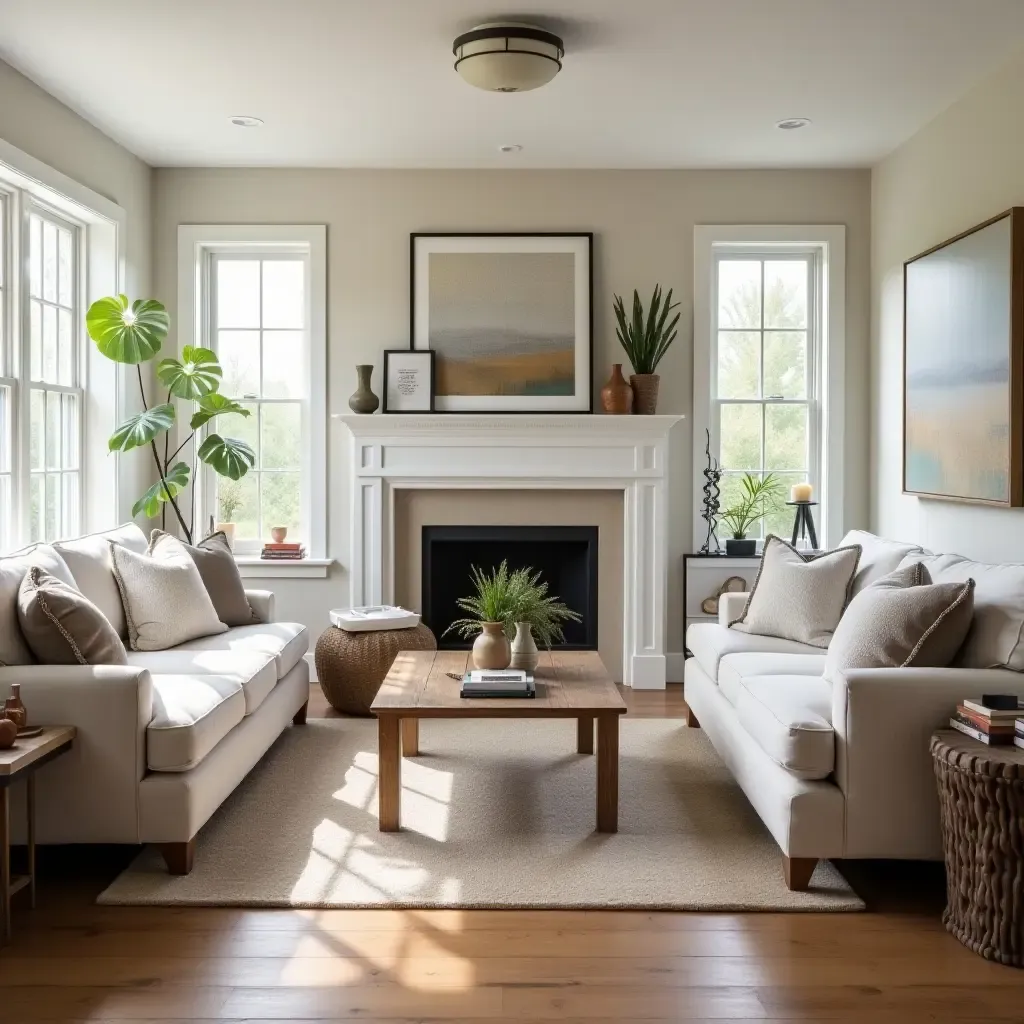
(759, 498)
(646, 340)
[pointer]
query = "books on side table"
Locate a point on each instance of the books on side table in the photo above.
(506, 682)
(995, 720)
(283, 551)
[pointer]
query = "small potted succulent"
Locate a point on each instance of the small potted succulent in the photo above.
(645, 342)
(760, 497)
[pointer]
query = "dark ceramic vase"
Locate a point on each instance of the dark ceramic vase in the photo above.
(363, 400)
(740, 548)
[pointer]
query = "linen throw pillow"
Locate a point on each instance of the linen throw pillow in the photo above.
(165, 602)
(216, 565)
(902, 620)
(62, 626)
(796, 596)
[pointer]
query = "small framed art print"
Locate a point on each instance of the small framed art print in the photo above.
(408, 380)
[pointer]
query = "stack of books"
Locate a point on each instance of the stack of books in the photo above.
(283, 551)
(507, 682)
(994, 725)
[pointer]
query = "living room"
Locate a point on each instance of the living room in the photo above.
(610, 294)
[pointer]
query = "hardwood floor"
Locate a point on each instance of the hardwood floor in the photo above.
(73, 961)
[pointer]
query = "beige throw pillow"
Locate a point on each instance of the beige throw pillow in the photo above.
(799, 597)
(902, 620)
(165, 602)
(216, 565)
(62, 626)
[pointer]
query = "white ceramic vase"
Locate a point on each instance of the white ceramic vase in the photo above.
(524, 648)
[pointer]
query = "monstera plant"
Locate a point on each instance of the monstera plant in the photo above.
(132, 333)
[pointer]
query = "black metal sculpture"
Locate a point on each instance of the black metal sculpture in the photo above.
(712, 477)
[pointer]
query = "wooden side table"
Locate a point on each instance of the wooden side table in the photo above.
(981, 800)
(22, 761)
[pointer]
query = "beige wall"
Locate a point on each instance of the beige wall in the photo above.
(643, 224)
(43, 127)
(964, 167)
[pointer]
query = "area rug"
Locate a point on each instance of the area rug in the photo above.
(494, 814)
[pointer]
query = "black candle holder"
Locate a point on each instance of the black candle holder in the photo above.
(803, 525)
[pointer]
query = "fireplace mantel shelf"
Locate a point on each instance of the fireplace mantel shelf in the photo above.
(454, 424)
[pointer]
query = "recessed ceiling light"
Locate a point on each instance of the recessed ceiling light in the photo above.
(513, 147)
(245, 121)
(789, 124)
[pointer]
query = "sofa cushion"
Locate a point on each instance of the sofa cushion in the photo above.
(285, 642)
(709, 642)
(996, 636)
(88, 558)
(734, 668)
(256, 673)
(13, 648)
(878, 556)
(790, 718)
(191, 715)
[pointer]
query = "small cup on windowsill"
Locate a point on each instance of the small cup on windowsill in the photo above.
(278, 534)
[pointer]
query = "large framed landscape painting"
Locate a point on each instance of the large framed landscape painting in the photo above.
(963, 339)
(509, 319)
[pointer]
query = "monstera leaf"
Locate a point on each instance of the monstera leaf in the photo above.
(127, 332)
(215, 404)
(177, 480)
(141, 429)
(227, 455)
(196, 374)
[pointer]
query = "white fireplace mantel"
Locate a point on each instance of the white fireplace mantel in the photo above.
(521, 452)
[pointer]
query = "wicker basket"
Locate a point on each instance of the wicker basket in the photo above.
(351, 666)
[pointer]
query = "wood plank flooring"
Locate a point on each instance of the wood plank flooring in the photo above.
(74, 961)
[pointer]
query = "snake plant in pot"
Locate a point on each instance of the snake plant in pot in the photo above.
(646, 340)
(132, 333)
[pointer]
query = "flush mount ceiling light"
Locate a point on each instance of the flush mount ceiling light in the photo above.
(508, 57)
(246, 121)
(789, 124)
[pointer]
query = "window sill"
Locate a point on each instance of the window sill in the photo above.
(302, 568)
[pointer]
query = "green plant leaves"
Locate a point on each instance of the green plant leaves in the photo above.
(176, 479)
(142, 428)
(645, 343)
(196, 374)
(227, 455)
(216, 404)
(127, 332)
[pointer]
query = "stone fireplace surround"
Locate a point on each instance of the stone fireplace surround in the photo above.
(391, 453)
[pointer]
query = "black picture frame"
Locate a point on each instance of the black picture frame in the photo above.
(579, 404)
(426, 354)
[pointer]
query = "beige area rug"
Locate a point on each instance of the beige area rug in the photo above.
(494, 814)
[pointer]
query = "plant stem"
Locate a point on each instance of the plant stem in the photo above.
(156, 459)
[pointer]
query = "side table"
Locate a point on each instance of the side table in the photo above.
(21, 762)
(981, 800)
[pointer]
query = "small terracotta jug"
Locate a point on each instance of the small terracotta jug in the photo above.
(8, 733)
(14, 709)
(491, 648)
(617, 395)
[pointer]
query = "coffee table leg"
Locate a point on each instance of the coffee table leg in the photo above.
(410, 737)
(5, 863)
(389, 781)
(607, 773)
(585, 734)
(30, 808)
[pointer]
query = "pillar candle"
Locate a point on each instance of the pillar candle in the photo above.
(801, 492)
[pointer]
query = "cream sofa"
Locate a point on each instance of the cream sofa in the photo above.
(163, 740)
(843, 770)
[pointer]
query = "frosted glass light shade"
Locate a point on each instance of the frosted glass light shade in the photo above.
(508, 58)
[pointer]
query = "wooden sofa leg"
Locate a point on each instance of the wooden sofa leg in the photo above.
(691, 719)
(299, 718)
(798, 872)
(179, 856)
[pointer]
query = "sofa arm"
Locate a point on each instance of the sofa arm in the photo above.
(730, 607)
(262, 603)
(89, 794)
(883, 720)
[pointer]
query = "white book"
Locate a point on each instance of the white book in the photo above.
(1018, 741)
(498, 675)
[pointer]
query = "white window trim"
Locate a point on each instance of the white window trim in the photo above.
(103, 225)
(830, 241)
(195, 241)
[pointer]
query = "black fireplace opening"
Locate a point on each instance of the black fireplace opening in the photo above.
(565, 556)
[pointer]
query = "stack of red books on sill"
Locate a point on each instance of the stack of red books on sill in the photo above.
(284, 552)
(995, 726)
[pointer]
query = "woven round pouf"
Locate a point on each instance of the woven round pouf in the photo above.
(981, 800)
(351, 666)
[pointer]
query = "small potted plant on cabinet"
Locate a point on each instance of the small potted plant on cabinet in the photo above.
(759, 498)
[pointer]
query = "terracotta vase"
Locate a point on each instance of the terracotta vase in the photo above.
(617, 395)
(645, 393)
(491, 648)
(278, 534)
(14, 709)
(363, 400)
(8, 733)
(524, 648)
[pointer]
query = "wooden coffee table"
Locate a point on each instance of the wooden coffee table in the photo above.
(569, 685)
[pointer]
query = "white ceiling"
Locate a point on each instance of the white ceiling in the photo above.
(646, 83)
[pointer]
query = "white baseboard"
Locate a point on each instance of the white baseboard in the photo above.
(674, 666)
